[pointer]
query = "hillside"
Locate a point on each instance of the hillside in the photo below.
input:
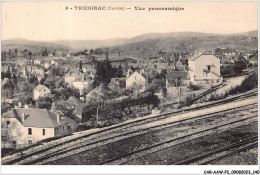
(184, 41)
(34, 46)
(151, 41)
(91, 44)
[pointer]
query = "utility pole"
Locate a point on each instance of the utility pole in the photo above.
(177, 91)
(97, 118)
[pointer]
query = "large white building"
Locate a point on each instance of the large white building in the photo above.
(21, 127)
(204, 67)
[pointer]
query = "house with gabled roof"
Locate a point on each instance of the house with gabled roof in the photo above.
(76, 106)
(177, 78)
(40, 91)
(23, 127)
(136, 79)
(117, 84)
(204, 67)
(225, 52)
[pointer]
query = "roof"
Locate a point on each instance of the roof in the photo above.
(75, 104)
(173, 75)
(198, 55)
(225, 50)
(142, 74)
(75, 101)
(95, 93)
(195, 56)
(39, 87)
(35, 117)
(117, 82)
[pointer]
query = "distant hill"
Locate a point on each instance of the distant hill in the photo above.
(189, 41)
(34, 46)
(91, 44)
(151, 41)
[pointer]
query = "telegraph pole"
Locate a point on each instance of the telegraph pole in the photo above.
(97, 118)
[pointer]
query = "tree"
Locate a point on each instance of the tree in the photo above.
(80, 67)
(32, 80)
(8, 89)
(156, 85)
(104, 73)
(30, 55)
(125, 66)
(28, 100)
(25, 53)
(137, 88)
(44, 103)
(15, 52)
(10, 54)
(68, 92)
(59, 71)
(5, 107)
(45, 52)
(240, 64)
(4, 55)
(119, 72)
(91, 52)
(98, 51)
(12, 132)
(50, 82)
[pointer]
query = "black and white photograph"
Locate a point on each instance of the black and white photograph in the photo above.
(129, 83)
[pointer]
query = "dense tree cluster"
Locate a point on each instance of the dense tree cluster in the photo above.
(111, 113)
(104, 73)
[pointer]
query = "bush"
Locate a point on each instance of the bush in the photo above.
(193, 87)
(188, 100)
(249, 83)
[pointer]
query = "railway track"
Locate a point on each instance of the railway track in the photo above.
(81, 139)
(68, 150)
(222, 152)
(123, 159)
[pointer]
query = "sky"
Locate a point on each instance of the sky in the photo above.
(48, 21)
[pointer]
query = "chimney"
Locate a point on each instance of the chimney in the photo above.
(23, 117)
(82, 99)
(53, 107)
(19, 104)
(37, 104)
(81, 92)
(58, 118)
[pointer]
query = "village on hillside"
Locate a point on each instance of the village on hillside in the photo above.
(52, 94)
(129, 83)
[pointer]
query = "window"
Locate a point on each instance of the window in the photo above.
(7, 122)
(43, 132)
(29, 131)
(14, 144)
(208, 67)
(56, 130)
(30, 142)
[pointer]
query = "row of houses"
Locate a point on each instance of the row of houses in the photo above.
(28, 125)
(202, 67)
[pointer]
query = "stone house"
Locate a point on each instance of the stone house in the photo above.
(23, 127)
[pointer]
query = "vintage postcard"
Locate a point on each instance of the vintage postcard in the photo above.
(130, 83)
